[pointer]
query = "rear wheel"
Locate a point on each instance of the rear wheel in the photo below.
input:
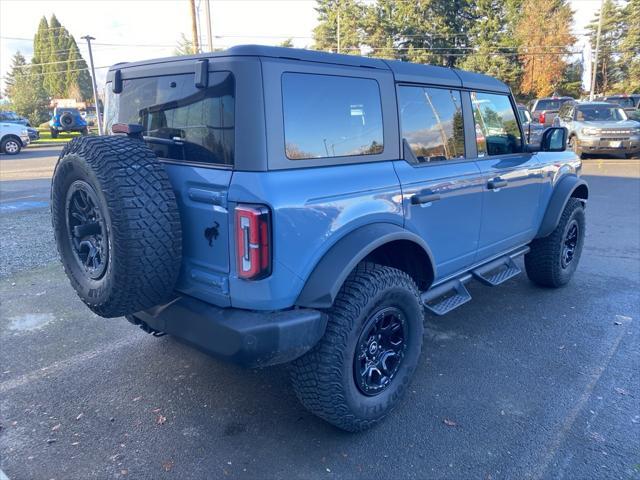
(54, 133)
(361, 368)
(11, 145)
(553, 259)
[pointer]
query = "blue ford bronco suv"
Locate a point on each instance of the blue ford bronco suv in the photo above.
(271, 205)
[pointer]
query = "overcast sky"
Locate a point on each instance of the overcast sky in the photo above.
(127, 30)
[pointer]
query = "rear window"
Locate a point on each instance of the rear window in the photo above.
(550, 104)
(180, 121)
(329, 116)
(624, 102)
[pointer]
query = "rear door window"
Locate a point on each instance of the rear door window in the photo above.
(181, 122)
(497, 131)
(432, 123)
(330, 116)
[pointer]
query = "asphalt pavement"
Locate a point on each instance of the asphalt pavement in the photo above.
(522, 382)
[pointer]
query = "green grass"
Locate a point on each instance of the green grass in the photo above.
(45, 136)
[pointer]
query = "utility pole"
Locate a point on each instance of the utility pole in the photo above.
(88, 38)
(207, 14)
(594, 65)
(338, 27)
(194, 26)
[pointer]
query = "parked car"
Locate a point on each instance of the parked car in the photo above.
(89, 115)
(33, 133)
(546, 109)
(67, 120)
(13, 117)
(273, 205)
(532, 128)
(13, 138)
(626, 102)
(599, 127)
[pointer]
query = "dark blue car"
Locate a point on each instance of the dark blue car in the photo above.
(67, 120)
(272, 205)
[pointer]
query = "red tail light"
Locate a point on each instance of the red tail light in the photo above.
(541, 117)
(253, 241)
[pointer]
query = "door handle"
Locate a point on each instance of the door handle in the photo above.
(425, 196)
(496, 183)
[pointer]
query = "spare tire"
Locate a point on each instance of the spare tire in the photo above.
(116, 224)
(67, 120)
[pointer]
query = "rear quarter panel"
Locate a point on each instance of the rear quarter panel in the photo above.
(311, 210)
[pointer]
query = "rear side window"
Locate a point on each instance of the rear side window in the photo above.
(329, 116)
(431, 121)
(181, 122)
(497, 131)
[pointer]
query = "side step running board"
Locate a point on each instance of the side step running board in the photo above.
(453, 293)
(444, 298)
(497, 272)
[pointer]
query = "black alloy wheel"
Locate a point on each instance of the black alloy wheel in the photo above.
(86, 229)
(380, 350)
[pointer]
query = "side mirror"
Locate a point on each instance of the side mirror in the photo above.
(554, 139)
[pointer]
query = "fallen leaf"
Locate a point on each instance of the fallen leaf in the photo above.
(450, 423)
(168, 465)
(56, 427)
(161, 420)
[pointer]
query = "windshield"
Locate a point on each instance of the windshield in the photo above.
(624, 102)
(550, 104)
(600, 113)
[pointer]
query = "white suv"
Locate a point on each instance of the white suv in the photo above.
(13, 137)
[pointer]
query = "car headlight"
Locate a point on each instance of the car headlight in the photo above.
(590, 131)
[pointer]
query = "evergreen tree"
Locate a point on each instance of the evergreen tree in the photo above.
(78, 80)
(630, 47)
(349, 13)
(609, 69)
(495, 48)
(184, 46)
(16, 74)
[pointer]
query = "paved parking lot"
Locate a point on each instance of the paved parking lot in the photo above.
(533, 383)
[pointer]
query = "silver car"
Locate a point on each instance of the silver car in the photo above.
(599, 127)
(532, 128)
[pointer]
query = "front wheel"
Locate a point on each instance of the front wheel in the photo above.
(573, 145)
(54, 133)
(11, 146)
(552, 260)
(361, 368)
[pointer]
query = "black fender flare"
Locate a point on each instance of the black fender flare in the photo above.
(559, 198)
(326, 279)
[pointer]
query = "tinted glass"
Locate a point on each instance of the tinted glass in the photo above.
(330, 116)
(431, 122)
(180, 121)
(599, 113)
(624, 102)
(550, 104)
(497, 131)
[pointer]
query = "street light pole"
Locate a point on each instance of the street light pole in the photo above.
(594, 65)
(207, 14)
(88, 38)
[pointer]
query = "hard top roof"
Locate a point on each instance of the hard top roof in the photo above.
(402, 71)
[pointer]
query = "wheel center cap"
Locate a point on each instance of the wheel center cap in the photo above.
(373, 348)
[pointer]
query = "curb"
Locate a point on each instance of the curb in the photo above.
(41, 145)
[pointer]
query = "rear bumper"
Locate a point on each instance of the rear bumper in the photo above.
(246, 337)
